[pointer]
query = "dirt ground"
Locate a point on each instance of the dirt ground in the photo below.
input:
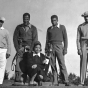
(8, 84)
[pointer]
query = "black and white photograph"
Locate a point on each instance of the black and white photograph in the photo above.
(43, 43)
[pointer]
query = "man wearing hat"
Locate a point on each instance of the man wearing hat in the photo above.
(82, 46)
(5, 48)
(25, 34)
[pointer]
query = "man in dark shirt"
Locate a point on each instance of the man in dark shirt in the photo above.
(25, 34)
(57, 37)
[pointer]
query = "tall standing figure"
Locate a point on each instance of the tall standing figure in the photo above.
(82, 46)
(25, 35)
(57, 38)
(5, 48)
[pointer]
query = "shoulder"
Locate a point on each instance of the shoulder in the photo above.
(63, 28)
(18, 26)
(6, 31)
(33, 27)
(49, 28)
(83, 24)
(42, 55)
(28, 54)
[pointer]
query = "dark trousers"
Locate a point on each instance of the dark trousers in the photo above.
(31, 72)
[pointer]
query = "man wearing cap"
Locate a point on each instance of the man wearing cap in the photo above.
(56, 37)
(5, 48)
(82, 46)
(25, 34)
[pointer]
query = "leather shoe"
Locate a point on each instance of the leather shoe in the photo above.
(67, 84)
(40, 83)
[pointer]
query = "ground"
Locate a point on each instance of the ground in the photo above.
(8, 84)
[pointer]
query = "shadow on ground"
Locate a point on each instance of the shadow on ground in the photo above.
(8, 84)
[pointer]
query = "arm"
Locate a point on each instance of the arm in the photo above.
(35, 36)
(8, 40)
(15, 38)
(28, 58)
(47, 41)
(78, 40)
(65, 41)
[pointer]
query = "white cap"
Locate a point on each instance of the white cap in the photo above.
(2, 18)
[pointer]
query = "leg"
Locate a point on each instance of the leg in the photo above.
(2, 70)
(32, 79)
(83, 65)
(60, 59)
(2, 64)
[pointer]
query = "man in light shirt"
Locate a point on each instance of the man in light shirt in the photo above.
(5, 48)
(82, 46)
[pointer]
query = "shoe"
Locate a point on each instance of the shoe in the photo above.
(67, 84)
(40, 83)
(81, 85)
(55, 84)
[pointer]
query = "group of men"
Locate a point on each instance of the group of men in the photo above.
(26, 34)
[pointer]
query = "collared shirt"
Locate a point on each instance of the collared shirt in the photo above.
(34, 54)
(2, 28)
(82, 34)
(26, 28)
(56, 26)
(57, 34)
(27, 37)
(5, 42)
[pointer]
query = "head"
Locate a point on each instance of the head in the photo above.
(2, 19)
(1, 23)
(85, 15)
(54, 20)
(86, 19)
(37, 47)
(26, 19)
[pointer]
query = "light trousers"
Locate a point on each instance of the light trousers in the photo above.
(2, 64)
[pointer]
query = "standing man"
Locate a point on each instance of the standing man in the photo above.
(5, 48)
(57, 38)
(25, 35)
(82, 46)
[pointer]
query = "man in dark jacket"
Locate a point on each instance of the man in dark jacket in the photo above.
(25, 34)
(57, 37)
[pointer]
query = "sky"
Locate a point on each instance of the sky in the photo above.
(69, 13)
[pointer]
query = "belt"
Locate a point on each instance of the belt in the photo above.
(56, 42)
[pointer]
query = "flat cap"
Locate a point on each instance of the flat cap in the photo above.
(85, 14)
(2, 19)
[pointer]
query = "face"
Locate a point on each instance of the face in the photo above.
(26, 20)
(1, 24)
(37, 49)
(86, 19)
(54, 21)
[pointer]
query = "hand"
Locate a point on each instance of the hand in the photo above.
(44, 61)
(7, 55)
(79, 52)
(34, 66)
(64, 52)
